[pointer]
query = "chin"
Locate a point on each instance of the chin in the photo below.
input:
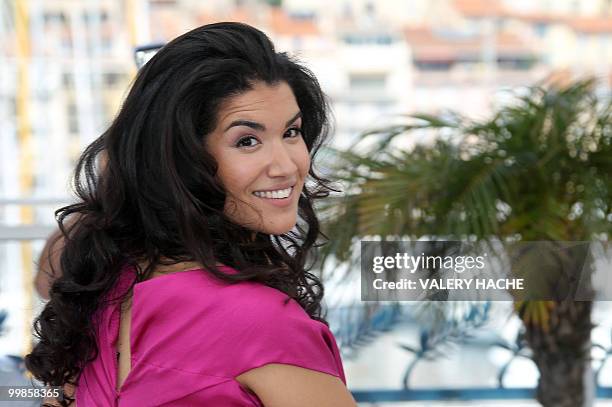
(278, 228)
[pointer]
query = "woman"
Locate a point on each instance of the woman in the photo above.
(184, 280)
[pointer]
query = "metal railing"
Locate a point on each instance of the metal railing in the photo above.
(349, 333)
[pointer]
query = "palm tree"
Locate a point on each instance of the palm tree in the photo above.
(538, 170)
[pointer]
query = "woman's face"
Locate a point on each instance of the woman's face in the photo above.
(262, 157)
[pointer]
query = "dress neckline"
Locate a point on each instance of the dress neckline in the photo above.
(188, 271)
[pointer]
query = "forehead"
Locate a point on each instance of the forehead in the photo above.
(262, 101)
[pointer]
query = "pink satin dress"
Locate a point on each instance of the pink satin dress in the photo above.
(192, 334)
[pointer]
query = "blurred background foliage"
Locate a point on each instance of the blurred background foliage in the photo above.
(538, 169)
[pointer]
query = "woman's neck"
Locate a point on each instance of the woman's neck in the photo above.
(161, 269)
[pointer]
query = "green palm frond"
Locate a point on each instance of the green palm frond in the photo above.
(539, 168)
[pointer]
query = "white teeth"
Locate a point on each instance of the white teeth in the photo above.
(279, 194)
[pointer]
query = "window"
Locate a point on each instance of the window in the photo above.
(424, 65)
(367, 39)
(67, 80)
(367, 81)
(73, 122)
(112, 78)
(53, 18)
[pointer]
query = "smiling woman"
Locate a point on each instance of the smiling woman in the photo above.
(184, 276)
(263, 191)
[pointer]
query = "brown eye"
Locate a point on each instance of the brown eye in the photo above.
(296, 132)
(247, 142)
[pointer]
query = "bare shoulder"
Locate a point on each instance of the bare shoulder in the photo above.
(291, 386)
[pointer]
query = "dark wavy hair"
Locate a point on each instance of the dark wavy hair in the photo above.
(156, 199)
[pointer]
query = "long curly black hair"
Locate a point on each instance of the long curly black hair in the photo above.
(155, 200)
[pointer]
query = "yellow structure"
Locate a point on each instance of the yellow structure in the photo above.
(24, 135)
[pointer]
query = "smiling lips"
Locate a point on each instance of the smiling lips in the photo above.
(280, 197)
(277, 194)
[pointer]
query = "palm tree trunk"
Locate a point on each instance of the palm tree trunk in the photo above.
(561, 354)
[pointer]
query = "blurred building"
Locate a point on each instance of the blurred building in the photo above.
(65, 66)
(64, 79)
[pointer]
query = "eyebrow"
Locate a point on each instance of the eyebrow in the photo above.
(259, 126)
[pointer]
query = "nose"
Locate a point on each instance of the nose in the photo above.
(281, 161)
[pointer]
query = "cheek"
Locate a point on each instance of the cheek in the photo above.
(235, 178)
(303, 162)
